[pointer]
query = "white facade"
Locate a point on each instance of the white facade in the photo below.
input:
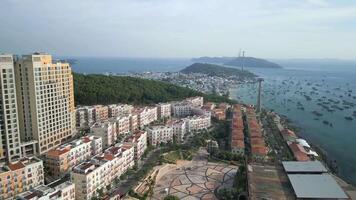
(101, 170)
(10, 149)
(84, 117)
(107, 131)
(61, 160)
(62, 191)
(116, 110)
(198, 122)
(123, 124)
(181, 109)
(164, 110)
(139, 141)
(146, 116)
(179, 129)
(159, 134)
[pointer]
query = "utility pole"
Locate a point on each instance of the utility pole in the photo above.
(243, 60)
(259, 80)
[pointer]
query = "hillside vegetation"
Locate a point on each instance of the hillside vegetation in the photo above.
(216, 70)
(100, 89)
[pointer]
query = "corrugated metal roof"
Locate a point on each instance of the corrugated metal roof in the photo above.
(304, 167)
(322, 186)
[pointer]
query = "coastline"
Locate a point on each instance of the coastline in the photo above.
(286, 122)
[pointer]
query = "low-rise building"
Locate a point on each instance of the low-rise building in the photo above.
(139, 140)
(101, 170)
(179, 129)
(123, 124)
(84, 117)
(107, 131)
(163, 110)
(59, 161)
(21, 176)
(101, 113)
(58, 190)
(181, 109)
(198, 122)
(146, 115)
(115, 110)
(159, 134)
(133, 122)
(195, 101)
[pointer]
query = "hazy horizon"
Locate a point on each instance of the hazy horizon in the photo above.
(279, 29)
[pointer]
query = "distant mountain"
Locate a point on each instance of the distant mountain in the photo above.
(217, 60)
(216, 70)
(252, 62)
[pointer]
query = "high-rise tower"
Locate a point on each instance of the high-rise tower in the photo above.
(45, 100)
(10, 149)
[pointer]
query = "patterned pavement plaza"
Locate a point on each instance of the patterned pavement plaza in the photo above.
(195, 180)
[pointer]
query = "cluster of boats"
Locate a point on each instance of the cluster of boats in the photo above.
(316, 94)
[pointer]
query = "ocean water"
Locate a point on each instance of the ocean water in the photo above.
(124, 65)
(298, 90)
(294, 91)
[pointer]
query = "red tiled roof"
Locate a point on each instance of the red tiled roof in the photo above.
(16, 166)
(58, 151)
(299, 152)
(259, 150)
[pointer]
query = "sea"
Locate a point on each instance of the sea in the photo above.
(318, 96)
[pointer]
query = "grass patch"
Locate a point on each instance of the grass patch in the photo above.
(173, 156)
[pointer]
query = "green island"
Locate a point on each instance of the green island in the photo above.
(217, 70)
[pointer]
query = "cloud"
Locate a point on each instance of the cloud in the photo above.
(178, 28)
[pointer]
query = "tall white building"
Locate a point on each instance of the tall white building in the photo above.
(45, 100)
(10, 148)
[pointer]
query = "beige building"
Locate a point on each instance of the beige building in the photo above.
(57, 190)
(133, 122)
(163, 110)
(107, 131)
(116, 110)
(101, 113)
(10, 149)
(60, 161)
(159, 134)
(122, 124)
(45, 100)
(20, 176)
(139, 141)
(146, 115)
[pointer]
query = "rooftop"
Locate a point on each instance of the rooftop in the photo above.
(304, 167)
(316, 186)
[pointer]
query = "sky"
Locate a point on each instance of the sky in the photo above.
(278, 29)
